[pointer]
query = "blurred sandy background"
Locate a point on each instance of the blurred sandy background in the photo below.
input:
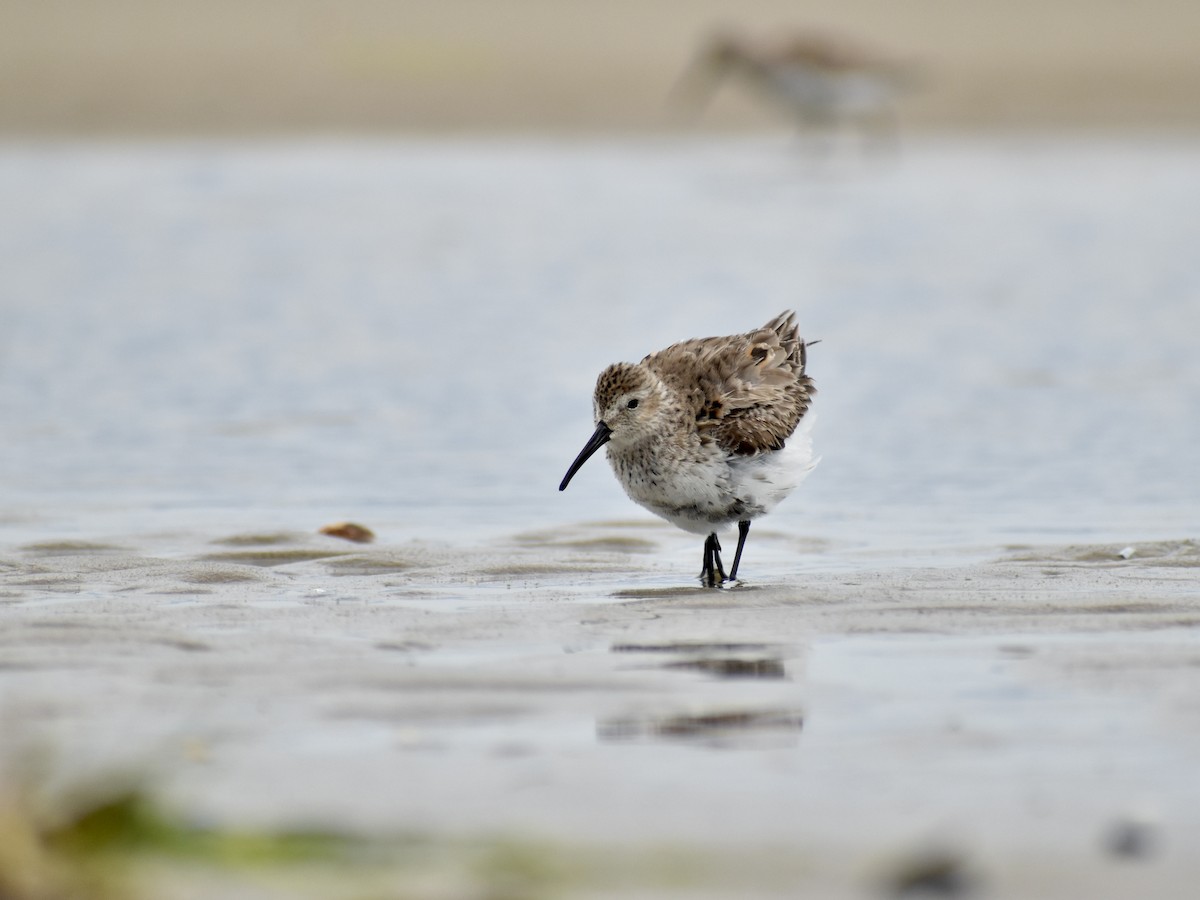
(273, 66)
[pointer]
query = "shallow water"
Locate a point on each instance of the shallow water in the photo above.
(208, 337)
(210, 350)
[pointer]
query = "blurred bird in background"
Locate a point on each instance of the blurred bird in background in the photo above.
(824, 81)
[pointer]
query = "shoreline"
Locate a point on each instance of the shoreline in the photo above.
(530, 694)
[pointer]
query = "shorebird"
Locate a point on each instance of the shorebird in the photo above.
(820, 78)
(709, 432)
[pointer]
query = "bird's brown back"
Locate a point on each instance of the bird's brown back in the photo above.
(747, 392)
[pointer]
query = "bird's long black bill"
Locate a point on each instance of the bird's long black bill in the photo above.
(598, 439)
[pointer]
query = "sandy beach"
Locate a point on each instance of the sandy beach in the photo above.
(140, 67)
(1010, 718)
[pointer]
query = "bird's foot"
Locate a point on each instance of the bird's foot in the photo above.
(712, 574)
(718, 580)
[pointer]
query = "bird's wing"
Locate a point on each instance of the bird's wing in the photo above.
(748, 391)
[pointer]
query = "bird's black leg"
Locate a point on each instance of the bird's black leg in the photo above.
(720, 570)
(743, 530)
(713, 573)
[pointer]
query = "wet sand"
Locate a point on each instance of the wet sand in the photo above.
(815, 734)
(147, 68)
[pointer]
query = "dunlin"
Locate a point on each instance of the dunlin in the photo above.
(709, 432)
(820, 78)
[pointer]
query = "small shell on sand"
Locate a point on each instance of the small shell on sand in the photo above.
(349, 531)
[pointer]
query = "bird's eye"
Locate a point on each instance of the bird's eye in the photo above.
(632, 404)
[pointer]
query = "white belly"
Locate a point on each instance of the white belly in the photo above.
(714, 493)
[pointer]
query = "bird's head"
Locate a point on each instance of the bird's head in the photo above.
(628, 403)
